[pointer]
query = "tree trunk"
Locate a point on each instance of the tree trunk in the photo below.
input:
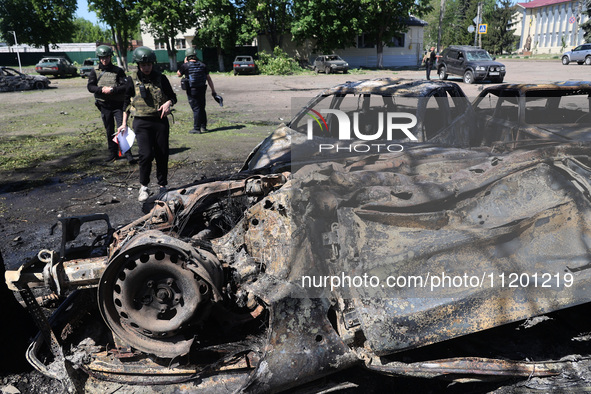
(380, 53)
(221, 60)
(117, 46)
(171, 54)
(122, 58)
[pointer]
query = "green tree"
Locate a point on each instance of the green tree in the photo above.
(217, 26)
(586, 26)
(38, 22)
(123, 21)
(86, 31)
(270, 17)
(384, 20)
(164, 20)
(500, 36)
(331, 24)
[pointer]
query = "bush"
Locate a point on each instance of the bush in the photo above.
(277, 63)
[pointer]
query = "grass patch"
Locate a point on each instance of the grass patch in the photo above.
(71, 152)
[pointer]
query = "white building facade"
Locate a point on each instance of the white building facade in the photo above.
(548, 26)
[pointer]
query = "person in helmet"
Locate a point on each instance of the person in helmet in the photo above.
(149, 97)
(108, 88)
(197, 74)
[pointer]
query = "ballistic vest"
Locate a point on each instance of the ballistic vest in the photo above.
(107, 78)
(197, 75)
(154, 96)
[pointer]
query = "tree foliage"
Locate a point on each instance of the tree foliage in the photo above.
(277, 63)
(586, 26)
(86, 31)
(384, 20)
(165, 19)
(271, 17)
(123, 20)
(37, 22)
(459, 14)
(217, 26)
(330, 24)
(500, 36)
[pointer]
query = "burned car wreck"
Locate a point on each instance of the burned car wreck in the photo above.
(299, 266)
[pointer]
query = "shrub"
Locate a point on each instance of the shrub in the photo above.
(277, 63)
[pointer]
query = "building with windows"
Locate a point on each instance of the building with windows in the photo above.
(182, 40)
(404, 50)
(549, 26)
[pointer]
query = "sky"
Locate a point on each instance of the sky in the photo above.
(83, 12)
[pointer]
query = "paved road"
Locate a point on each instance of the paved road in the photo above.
(268, 98)
(522, 71)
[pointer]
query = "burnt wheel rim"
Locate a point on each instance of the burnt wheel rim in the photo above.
(147, 297)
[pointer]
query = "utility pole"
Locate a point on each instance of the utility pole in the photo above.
(477, 23)
(18, 55)
(441, 12)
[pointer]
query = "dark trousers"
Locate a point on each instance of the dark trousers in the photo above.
(196, 97)
(429, 66)
(152, 135)
(111, 113)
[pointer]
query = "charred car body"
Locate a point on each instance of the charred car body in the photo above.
(256, 282)
(525, 112)
(11, 80)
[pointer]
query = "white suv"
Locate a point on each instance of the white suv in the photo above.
(580, 54)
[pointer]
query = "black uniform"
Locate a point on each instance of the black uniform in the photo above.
(143, 95)
(110, 105)
(197, 73)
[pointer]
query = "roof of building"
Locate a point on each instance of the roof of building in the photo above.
(541, 3)
(414, 21)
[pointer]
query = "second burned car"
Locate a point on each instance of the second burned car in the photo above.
(520, 114)
(11, 80)
(255, 282)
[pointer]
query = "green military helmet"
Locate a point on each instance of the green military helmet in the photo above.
(144, 55)
(189, 52)
(104, 50)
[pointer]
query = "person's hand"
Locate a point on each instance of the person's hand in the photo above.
(122, 129)
(213, 93)
(165, 108)
(107, 90)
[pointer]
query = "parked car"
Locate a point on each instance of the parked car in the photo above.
(56, 66)
(255, 283)
(244, 65)
(580, 54)
(11, 80)
(522, 114)
(472, 63)
(87, 66)
(330, 64)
